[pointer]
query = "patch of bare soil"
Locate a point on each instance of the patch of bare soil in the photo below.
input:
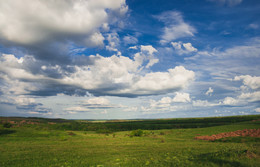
(245, 132)
(71, 134)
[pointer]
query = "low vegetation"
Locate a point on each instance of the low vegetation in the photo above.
(7, 125)
(138, 133)
(166, 142)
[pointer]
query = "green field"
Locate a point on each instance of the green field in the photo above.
(165, 142)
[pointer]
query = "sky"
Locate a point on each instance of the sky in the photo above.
(129, 59)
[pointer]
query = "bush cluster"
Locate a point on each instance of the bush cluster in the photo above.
(7, 125)
(138, 133)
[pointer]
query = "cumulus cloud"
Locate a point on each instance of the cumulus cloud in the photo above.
(148, 48)
(178, 98)
(227, 2)
(32, 77)
(51, 30)
(175, 26)
(165, 100)
(167, 104)
(159, 82)
(252, 82)
(157, 107)
(33, 21)
(183, 48)
(209, 91)
(113, 42)
(181, 97)
(242, 99)
(189, 47)
(257, 109)
(245, 98)
(250, 97)
(230, 101)
(115, 75)
(227, 101)
(146, 56)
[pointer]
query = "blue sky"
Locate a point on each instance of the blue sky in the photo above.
(117, 59)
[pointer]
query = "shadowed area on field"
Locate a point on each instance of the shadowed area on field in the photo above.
(6, 131)
(217, 158)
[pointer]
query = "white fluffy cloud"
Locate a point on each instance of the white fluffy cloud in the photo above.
(115, 75)
(113, 42)
(250, 97)
(121, 74)
(181, 97)
(167, 104)
(146, 54)
(178, 98)
(249, 81)
(165, 100)
(230, 101)
(242, 99)
(148, 48)
(183, 48)
(249, 94)
(174, 79)
(189, 47)
(227, 101)
(175, 27)
(32, 21)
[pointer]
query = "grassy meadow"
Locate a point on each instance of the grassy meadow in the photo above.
(166, 142)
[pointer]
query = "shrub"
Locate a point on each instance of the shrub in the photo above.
(162, 140)
(138, 133)
(7, 125)
(162, 133)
